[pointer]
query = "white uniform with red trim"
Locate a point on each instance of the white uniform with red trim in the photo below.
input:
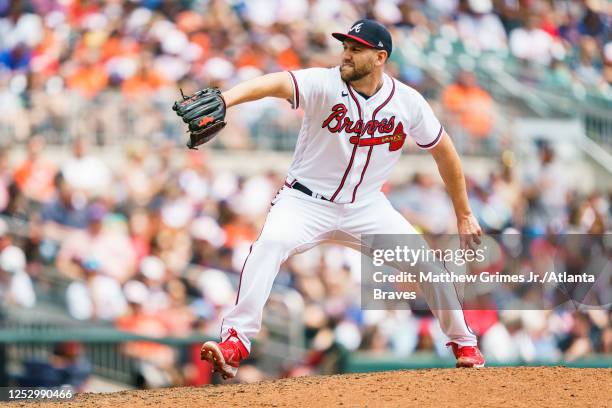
(345, 152)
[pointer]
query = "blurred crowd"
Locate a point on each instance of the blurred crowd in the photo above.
(59, 58)
(155, 244)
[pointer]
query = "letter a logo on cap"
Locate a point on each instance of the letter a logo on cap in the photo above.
(380, 44)
(356, 27)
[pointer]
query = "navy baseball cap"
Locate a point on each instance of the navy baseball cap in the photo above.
(370, 33)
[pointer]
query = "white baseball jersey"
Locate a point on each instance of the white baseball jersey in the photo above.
(348, 145)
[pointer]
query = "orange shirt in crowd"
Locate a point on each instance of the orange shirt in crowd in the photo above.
(142, 84)
(473, 105)
(119, 46)
(46, 55)
(178, 320)
(189, 21)
(203, 41)
(35, 178)
(145, 325)
(249, 57)
(236, 233)
(288, 59)
(88, 80)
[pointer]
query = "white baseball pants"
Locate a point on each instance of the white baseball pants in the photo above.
(297, 222)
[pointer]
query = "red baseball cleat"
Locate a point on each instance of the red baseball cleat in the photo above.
(225, 356)
(467, 356)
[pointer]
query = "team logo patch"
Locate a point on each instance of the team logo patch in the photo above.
(356, 28)
(205, 120)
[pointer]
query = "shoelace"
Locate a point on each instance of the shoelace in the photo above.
(467, 351)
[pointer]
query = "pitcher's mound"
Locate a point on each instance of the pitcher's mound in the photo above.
(490, 387)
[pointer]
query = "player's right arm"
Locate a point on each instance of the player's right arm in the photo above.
(278, 84)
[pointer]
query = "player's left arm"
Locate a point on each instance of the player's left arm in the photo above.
(451, 171)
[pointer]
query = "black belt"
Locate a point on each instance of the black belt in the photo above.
(300, 187)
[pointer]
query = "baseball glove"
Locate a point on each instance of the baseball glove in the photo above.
(204, 111)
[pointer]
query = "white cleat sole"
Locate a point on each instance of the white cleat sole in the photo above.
(210, 352)
(464, 364)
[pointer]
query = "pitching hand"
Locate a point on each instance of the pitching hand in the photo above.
(469, 232)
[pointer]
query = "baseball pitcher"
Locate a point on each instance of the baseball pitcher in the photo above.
(356, 121)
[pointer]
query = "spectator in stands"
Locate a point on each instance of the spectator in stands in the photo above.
(479, 27)
(89, 78)
(592, 214)
(16, 286)
(470, 106)
(579, 341)
(178, 317)
(145, 82)
(141, 232)
(588, 69)
(86, 173)
(594, 22)
(5, 239)
(490, 209)
(153, 271)
(111, 247)
(64, 213)
(35, 176)
(546, 192)
(424, 203)
(94, 296)
(156, 360)
(136, 177)
(66, 366)
(74, 368)
(16, 59)
(560, 76)
(5, 177)
(531, 43)
(507, 188)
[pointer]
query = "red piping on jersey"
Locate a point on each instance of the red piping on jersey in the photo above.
(240, 281)
(241, 272)
(297, 90)
(247, 258)
(348, 168)
(434, 142)
(460, 302)
(372, 147)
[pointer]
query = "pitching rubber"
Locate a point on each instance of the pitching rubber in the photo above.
(212, 353)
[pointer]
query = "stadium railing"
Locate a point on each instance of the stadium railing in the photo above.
(17, 343)
(31, 334)
(364, 362)
(526, 88)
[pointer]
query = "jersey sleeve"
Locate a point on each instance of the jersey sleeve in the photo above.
(425, 128)
(308, 87)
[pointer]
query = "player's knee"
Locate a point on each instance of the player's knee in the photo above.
(274, 242)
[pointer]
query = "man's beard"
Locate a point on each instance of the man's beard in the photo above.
(357, 73)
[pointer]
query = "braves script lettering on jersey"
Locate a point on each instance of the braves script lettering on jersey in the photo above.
(345, 151)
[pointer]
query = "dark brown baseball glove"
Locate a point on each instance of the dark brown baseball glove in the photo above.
(204, 111)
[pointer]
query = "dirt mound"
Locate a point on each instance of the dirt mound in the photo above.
(497, 387)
